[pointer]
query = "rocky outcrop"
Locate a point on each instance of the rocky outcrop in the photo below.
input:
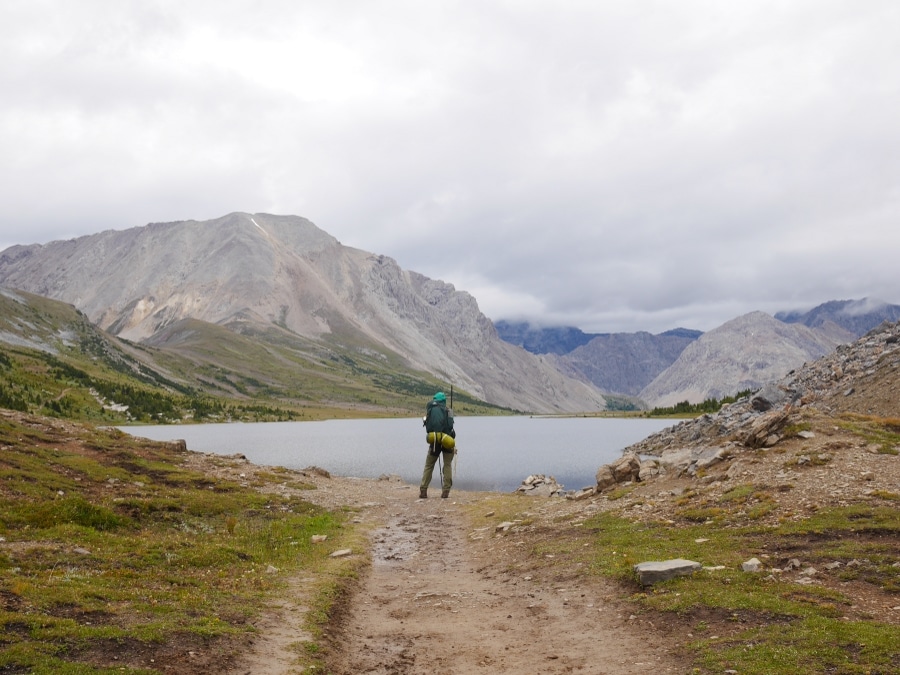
(627, 469)
(871, 365)
(539, 485)
(765, 431)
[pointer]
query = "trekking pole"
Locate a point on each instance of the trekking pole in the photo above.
(455, 450)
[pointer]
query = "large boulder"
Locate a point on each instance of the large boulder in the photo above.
(605, 477)
(765, 431)
(626, 468)
(650, 468)
(768, 397)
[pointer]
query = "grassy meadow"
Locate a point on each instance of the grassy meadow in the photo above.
(116, 557)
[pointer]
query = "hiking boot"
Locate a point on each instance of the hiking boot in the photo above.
(445, 494)
(423, 493)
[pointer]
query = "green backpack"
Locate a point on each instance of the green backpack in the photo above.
(436, 417)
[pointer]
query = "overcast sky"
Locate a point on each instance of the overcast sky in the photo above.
(616, 166)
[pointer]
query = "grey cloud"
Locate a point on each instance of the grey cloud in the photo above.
(617, 166)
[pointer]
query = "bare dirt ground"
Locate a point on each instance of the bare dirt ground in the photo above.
(449, 592)
(446, 593)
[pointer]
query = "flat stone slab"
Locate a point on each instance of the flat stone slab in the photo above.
(342, 553)
(653, 572)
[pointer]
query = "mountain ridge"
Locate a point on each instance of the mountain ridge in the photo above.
(55, 361)
(741, 354)
(856, 316)
(244, 271)
(282, 278)
(630, 363)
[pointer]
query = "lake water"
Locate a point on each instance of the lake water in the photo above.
(494, 453)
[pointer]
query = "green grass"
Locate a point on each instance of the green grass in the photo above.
(884, 433)
(809, 646)
(773, 625)
(110, 540)
(620, 492)
(752, 623)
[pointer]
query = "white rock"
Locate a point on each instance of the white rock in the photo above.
(751, 565)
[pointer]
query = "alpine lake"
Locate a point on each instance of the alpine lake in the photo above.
(493, 453)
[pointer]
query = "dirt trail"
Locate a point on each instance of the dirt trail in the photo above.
(444, 595)
(447, 592)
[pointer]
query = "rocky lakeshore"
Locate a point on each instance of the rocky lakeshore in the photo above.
(856, 379)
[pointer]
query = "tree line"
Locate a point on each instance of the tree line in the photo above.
(710, 405)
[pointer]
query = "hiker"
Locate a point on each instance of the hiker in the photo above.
(441, 441)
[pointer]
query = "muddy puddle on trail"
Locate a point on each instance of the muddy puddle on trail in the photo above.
(439, 602)
(407, 537)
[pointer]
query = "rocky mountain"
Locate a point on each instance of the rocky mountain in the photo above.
(743, 353)
(855, 316)
(282, 278)
(620, 363)
(541, 340)
(625, 363)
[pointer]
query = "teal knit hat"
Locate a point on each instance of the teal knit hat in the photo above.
(440, 396)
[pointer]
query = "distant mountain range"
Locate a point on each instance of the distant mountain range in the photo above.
(262, 303)
(627, 362)
(744, 353)
(857, 317)
(553, 340)
(687, 365)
